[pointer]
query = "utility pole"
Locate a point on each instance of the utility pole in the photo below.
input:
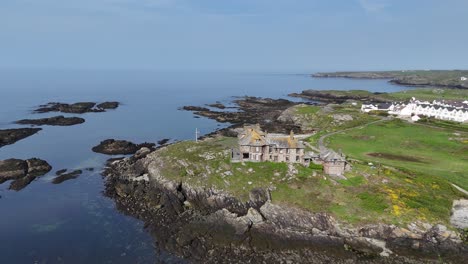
(196, 134)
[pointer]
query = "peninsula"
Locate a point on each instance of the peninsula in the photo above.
(438, 78)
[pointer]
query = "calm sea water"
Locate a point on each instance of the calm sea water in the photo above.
(73, 222)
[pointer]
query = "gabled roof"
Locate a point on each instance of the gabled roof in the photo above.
(252, 136)
(330, 155)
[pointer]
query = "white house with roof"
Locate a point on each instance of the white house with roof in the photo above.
(446, 110)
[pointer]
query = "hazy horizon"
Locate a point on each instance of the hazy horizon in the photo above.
(295, 36)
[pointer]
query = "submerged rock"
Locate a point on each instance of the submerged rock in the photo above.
(10, 136)
(52, 121)
(67, 176)
(163, 141)
(120, 147)
(22, 172)
(217, 105)
(60, 172)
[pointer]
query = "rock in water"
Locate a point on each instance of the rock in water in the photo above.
(77, 108)
(12, 169)
(163, 141)
(10, 136)
(22, 172)
(67, 176)
(108, 105)
(120, 147)
(53, 121)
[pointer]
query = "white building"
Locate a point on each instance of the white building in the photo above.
(446, 110)
(463, 79)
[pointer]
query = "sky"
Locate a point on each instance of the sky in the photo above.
(234, 35)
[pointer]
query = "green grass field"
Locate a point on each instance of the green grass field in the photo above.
(431, 151)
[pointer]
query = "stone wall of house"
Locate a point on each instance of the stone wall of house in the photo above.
(334, 167)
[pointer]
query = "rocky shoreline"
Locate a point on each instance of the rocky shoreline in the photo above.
(210, 226)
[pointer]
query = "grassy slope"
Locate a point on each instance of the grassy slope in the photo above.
(323, 121)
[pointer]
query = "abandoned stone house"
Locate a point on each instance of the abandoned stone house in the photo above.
(333, 163)
(256, 145)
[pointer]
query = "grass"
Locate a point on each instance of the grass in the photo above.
(422, 149)
(428, 94)
(326, 120)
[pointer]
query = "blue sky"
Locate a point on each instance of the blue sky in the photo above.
(239, 35)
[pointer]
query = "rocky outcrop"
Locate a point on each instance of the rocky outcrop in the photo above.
(120, 147)
(10, 136)
(211, 226)
(52, 121)
(77, 108)
(108, 105)
(22, 172)
(252, 110)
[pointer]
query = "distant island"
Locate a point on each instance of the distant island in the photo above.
(441, 78)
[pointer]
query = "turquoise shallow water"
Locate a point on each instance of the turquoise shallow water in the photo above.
(73, 222)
